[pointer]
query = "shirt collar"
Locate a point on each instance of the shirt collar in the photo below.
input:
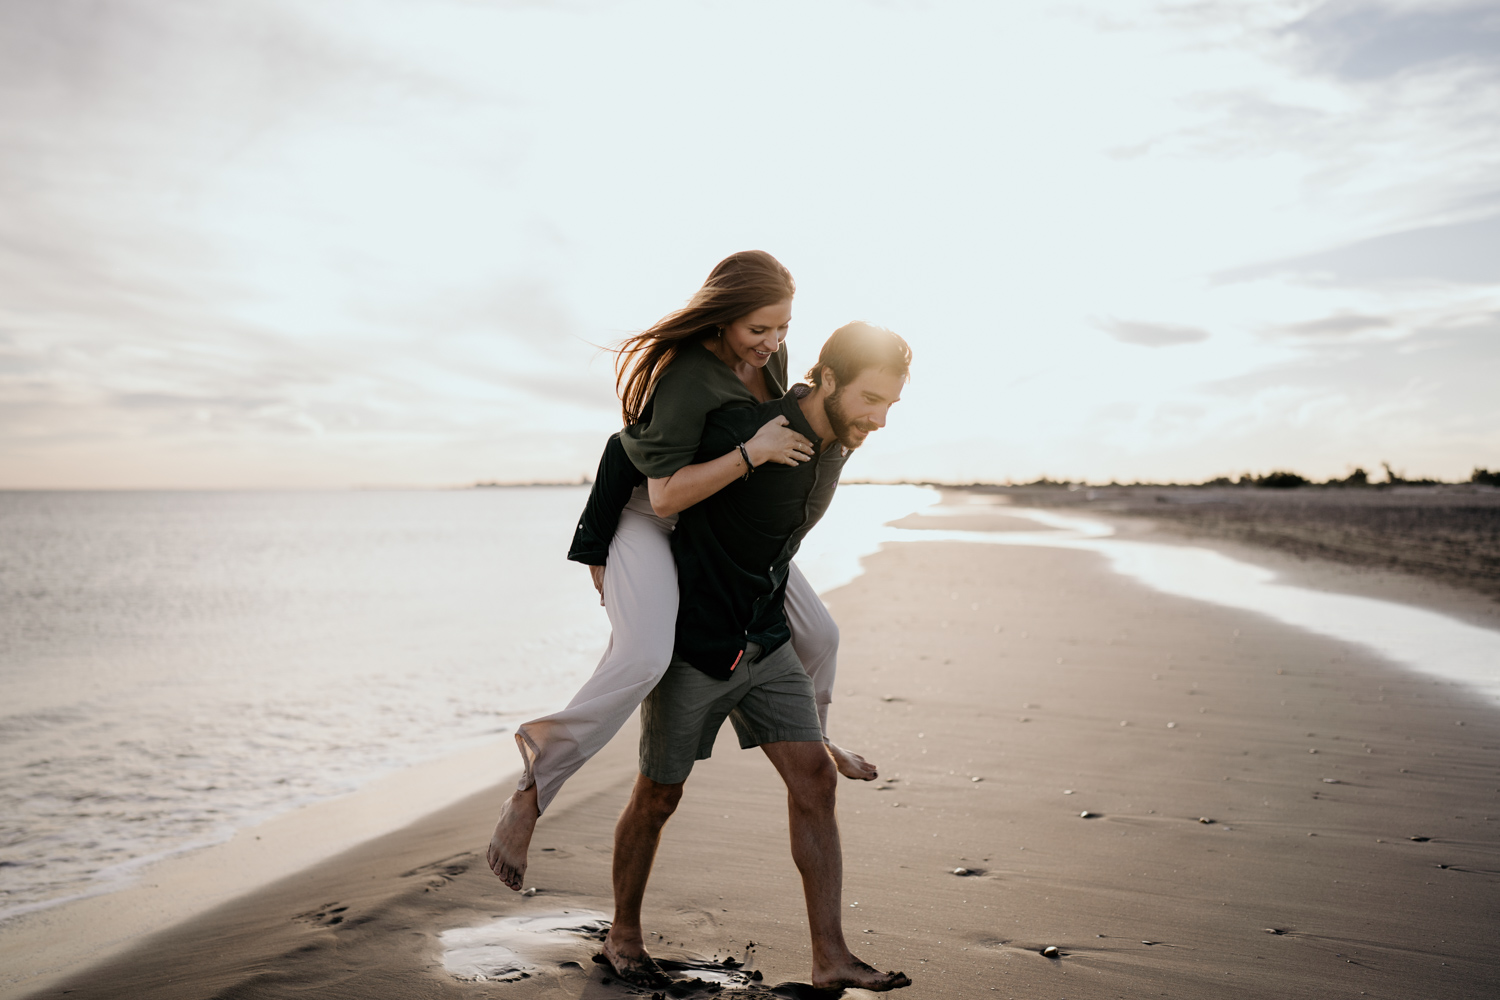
(798, 419)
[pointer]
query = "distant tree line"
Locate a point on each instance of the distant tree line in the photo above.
(1281, 479)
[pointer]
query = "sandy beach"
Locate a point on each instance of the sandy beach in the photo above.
(1184, 800)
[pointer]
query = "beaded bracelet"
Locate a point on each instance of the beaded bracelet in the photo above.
(749, 468)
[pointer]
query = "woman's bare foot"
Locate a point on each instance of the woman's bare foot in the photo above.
(512, 837)
(851, 764)
(632, 964)
(856, 975)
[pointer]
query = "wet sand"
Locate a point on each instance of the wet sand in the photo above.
(1063, 688)
(1447, 534)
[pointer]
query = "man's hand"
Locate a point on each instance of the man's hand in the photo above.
(597, 573)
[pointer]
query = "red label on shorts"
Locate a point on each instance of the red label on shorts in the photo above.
(736, 660)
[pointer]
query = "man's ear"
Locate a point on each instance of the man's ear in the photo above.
(829, 383)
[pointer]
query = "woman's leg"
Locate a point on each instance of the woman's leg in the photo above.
(815, 638)
(640, 597)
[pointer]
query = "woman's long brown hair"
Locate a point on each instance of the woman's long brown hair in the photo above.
(737, 286)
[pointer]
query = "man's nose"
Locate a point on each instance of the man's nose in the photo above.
(878, 417)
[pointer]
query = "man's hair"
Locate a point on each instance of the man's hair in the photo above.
(855, 348)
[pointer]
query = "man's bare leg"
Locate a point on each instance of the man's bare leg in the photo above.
(512, 837)
(851, 764)
(637, 835)
(812, 785)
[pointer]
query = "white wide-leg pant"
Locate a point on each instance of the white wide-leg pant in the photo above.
(640, 597)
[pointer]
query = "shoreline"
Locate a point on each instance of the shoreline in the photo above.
(60, 939)
(873, 607)
(1448, 534)
(1313, 572)
(1427, 631)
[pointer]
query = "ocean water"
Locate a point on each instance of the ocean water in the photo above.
(177, 666)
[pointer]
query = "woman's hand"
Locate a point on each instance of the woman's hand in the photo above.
(774, 442)
(597, 573)
(777, 442)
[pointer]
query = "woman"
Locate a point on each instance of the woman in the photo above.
(722, 349)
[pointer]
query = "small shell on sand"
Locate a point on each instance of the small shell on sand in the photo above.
(1330, 781)
(529, 892)
(1087, 815)
(1204, 819)
(1171, 725)
(976, 779)
(960, 871)
(1051, 951)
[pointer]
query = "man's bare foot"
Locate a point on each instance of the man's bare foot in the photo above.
(851, 764)
(856, 975)
(512, 837)
(632, 964)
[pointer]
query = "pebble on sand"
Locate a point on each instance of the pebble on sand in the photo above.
(976, 779)
(1204, 819)
(1051, 951)
(960, 871)
(1088, 815)
(529, 892)
(1330, 781)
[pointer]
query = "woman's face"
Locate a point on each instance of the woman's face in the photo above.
(754, 338)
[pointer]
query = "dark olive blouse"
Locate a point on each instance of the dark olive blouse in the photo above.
(665, 439)
(694, 385)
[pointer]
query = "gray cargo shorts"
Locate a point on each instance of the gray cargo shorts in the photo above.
(769, 700)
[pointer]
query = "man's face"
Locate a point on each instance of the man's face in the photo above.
(856, 409)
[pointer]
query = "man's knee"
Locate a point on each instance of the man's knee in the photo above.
(813, 782)
(655, 800)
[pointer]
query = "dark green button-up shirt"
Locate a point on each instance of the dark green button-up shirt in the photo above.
(695, 384)
(733, 549)
(666, 439)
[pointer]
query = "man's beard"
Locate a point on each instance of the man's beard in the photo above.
(843, 426)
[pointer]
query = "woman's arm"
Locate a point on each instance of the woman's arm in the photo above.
(774, 442)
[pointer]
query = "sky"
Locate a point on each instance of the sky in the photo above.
(364, 243)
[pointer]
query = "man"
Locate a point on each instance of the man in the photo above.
(733, 656)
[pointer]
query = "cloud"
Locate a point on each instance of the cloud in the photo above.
(1456, 253)
(1359, 40)
(1339, 325)
(1440, 379)
(1152, 334)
